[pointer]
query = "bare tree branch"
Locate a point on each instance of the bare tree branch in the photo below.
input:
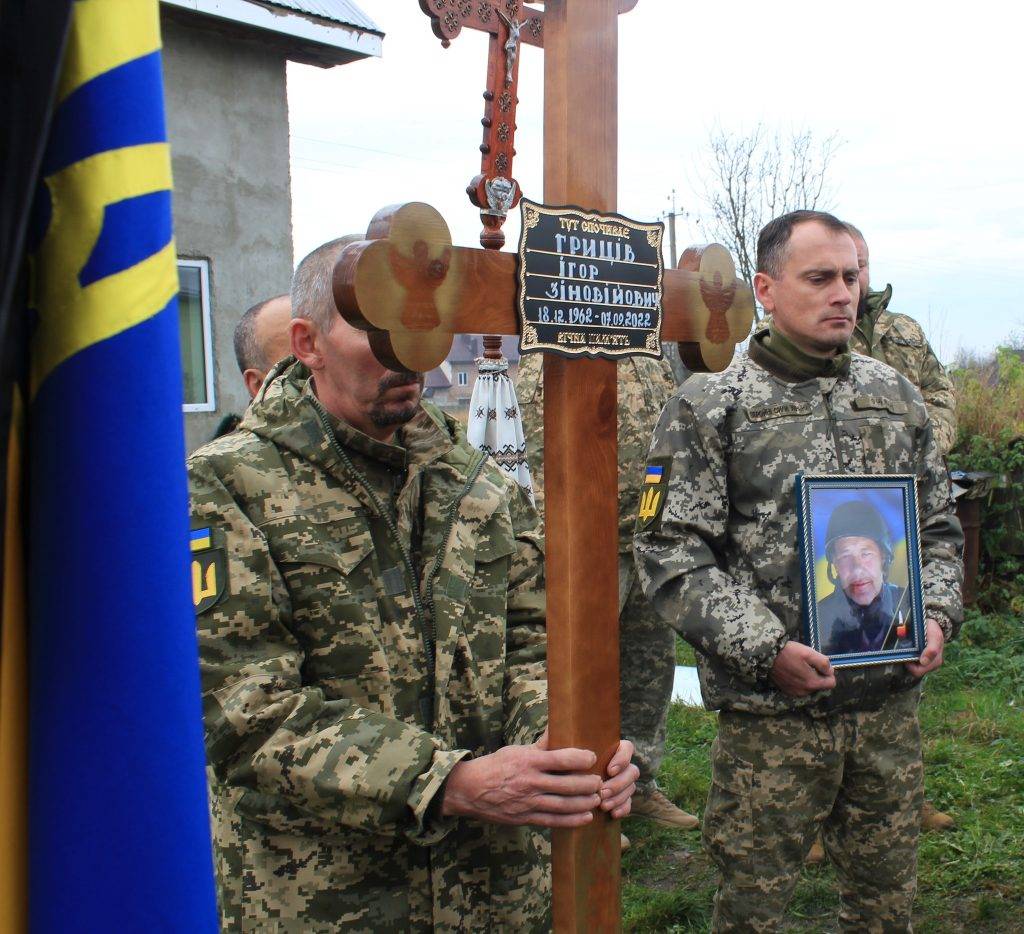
(756, 176)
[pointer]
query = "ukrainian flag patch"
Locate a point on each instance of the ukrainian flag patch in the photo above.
(654, 473)
(209, 570)
(653, 493)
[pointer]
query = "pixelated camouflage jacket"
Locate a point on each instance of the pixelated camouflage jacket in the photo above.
(899, 341)
(719, 559)
(644, 386)
(329, 654)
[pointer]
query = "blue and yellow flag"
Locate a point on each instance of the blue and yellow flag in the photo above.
(118, 822)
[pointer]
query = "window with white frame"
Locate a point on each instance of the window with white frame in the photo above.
(463, 378)
(196, 335)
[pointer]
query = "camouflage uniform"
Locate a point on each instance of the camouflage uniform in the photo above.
(382, 619)
(899, 341)
(719, 560)
(646, 645)
(775, 780)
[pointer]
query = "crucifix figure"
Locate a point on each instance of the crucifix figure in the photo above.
(705, 308)
(511, 45)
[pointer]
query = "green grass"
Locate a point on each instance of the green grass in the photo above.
(969, 879)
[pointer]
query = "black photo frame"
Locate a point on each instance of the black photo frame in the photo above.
(860, 559)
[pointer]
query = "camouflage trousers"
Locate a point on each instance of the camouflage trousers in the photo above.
(647, 666)
(777, 780)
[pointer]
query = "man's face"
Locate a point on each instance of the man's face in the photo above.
(814, 299)
(864, 276)
(353, 385)
(858, 563)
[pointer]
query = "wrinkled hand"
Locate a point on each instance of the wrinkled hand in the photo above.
(619, 785)
(617, 790)
(541, 786)
(525, 785)
(931, 657)
(799, 670)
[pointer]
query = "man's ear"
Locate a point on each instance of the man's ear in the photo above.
(253, 380)
(764, 288)
(305, 344)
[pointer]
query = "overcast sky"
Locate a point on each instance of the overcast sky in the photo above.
(931, 167)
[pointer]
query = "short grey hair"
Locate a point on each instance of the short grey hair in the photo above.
(312, 285)
(248, 351)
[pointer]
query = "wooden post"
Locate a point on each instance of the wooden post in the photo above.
(580, 463)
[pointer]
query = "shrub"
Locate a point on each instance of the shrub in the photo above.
(990, 397)
(990, 418)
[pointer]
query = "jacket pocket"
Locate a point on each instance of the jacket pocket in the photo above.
(765, 456)
(492, 561)
(729, 818)
(340, 545)
(331, 579)
(325, 568)
(887, 446)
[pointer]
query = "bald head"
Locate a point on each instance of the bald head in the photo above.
(262, 338)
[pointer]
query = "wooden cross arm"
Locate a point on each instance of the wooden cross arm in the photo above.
(447, 17)
(412, 290)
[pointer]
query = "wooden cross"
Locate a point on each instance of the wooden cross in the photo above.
(509, 24)
(412, 291)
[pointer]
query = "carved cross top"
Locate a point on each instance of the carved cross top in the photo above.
(509, 23)
(449, 16)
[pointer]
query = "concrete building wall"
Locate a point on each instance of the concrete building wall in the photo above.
(227, 119)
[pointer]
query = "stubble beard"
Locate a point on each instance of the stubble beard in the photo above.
(387, 414)
(834, 345)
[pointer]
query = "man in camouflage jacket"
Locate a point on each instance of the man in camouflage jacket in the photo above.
(899, 341)
(647, 646)
(371, 627)
(800, 745)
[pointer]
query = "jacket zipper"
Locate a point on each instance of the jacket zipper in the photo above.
(428, 632)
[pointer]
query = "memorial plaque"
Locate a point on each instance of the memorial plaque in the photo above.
(589, 283)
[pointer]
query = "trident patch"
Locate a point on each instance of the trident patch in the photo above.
(653, 492)
(209, 570)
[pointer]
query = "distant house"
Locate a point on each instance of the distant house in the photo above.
(227, 119)
(451, 385)
(438, 384)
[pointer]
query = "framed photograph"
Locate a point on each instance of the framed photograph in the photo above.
(860, 558)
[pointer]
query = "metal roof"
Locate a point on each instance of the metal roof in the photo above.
(315, 32)
(338, 11)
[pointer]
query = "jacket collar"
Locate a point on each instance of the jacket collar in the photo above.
(876, 303)
(287, 412)
(771, 349)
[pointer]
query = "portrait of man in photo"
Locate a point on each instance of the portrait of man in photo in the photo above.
(869, 608)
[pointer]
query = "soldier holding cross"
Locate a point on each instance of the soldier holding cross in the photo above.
(370, 601)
